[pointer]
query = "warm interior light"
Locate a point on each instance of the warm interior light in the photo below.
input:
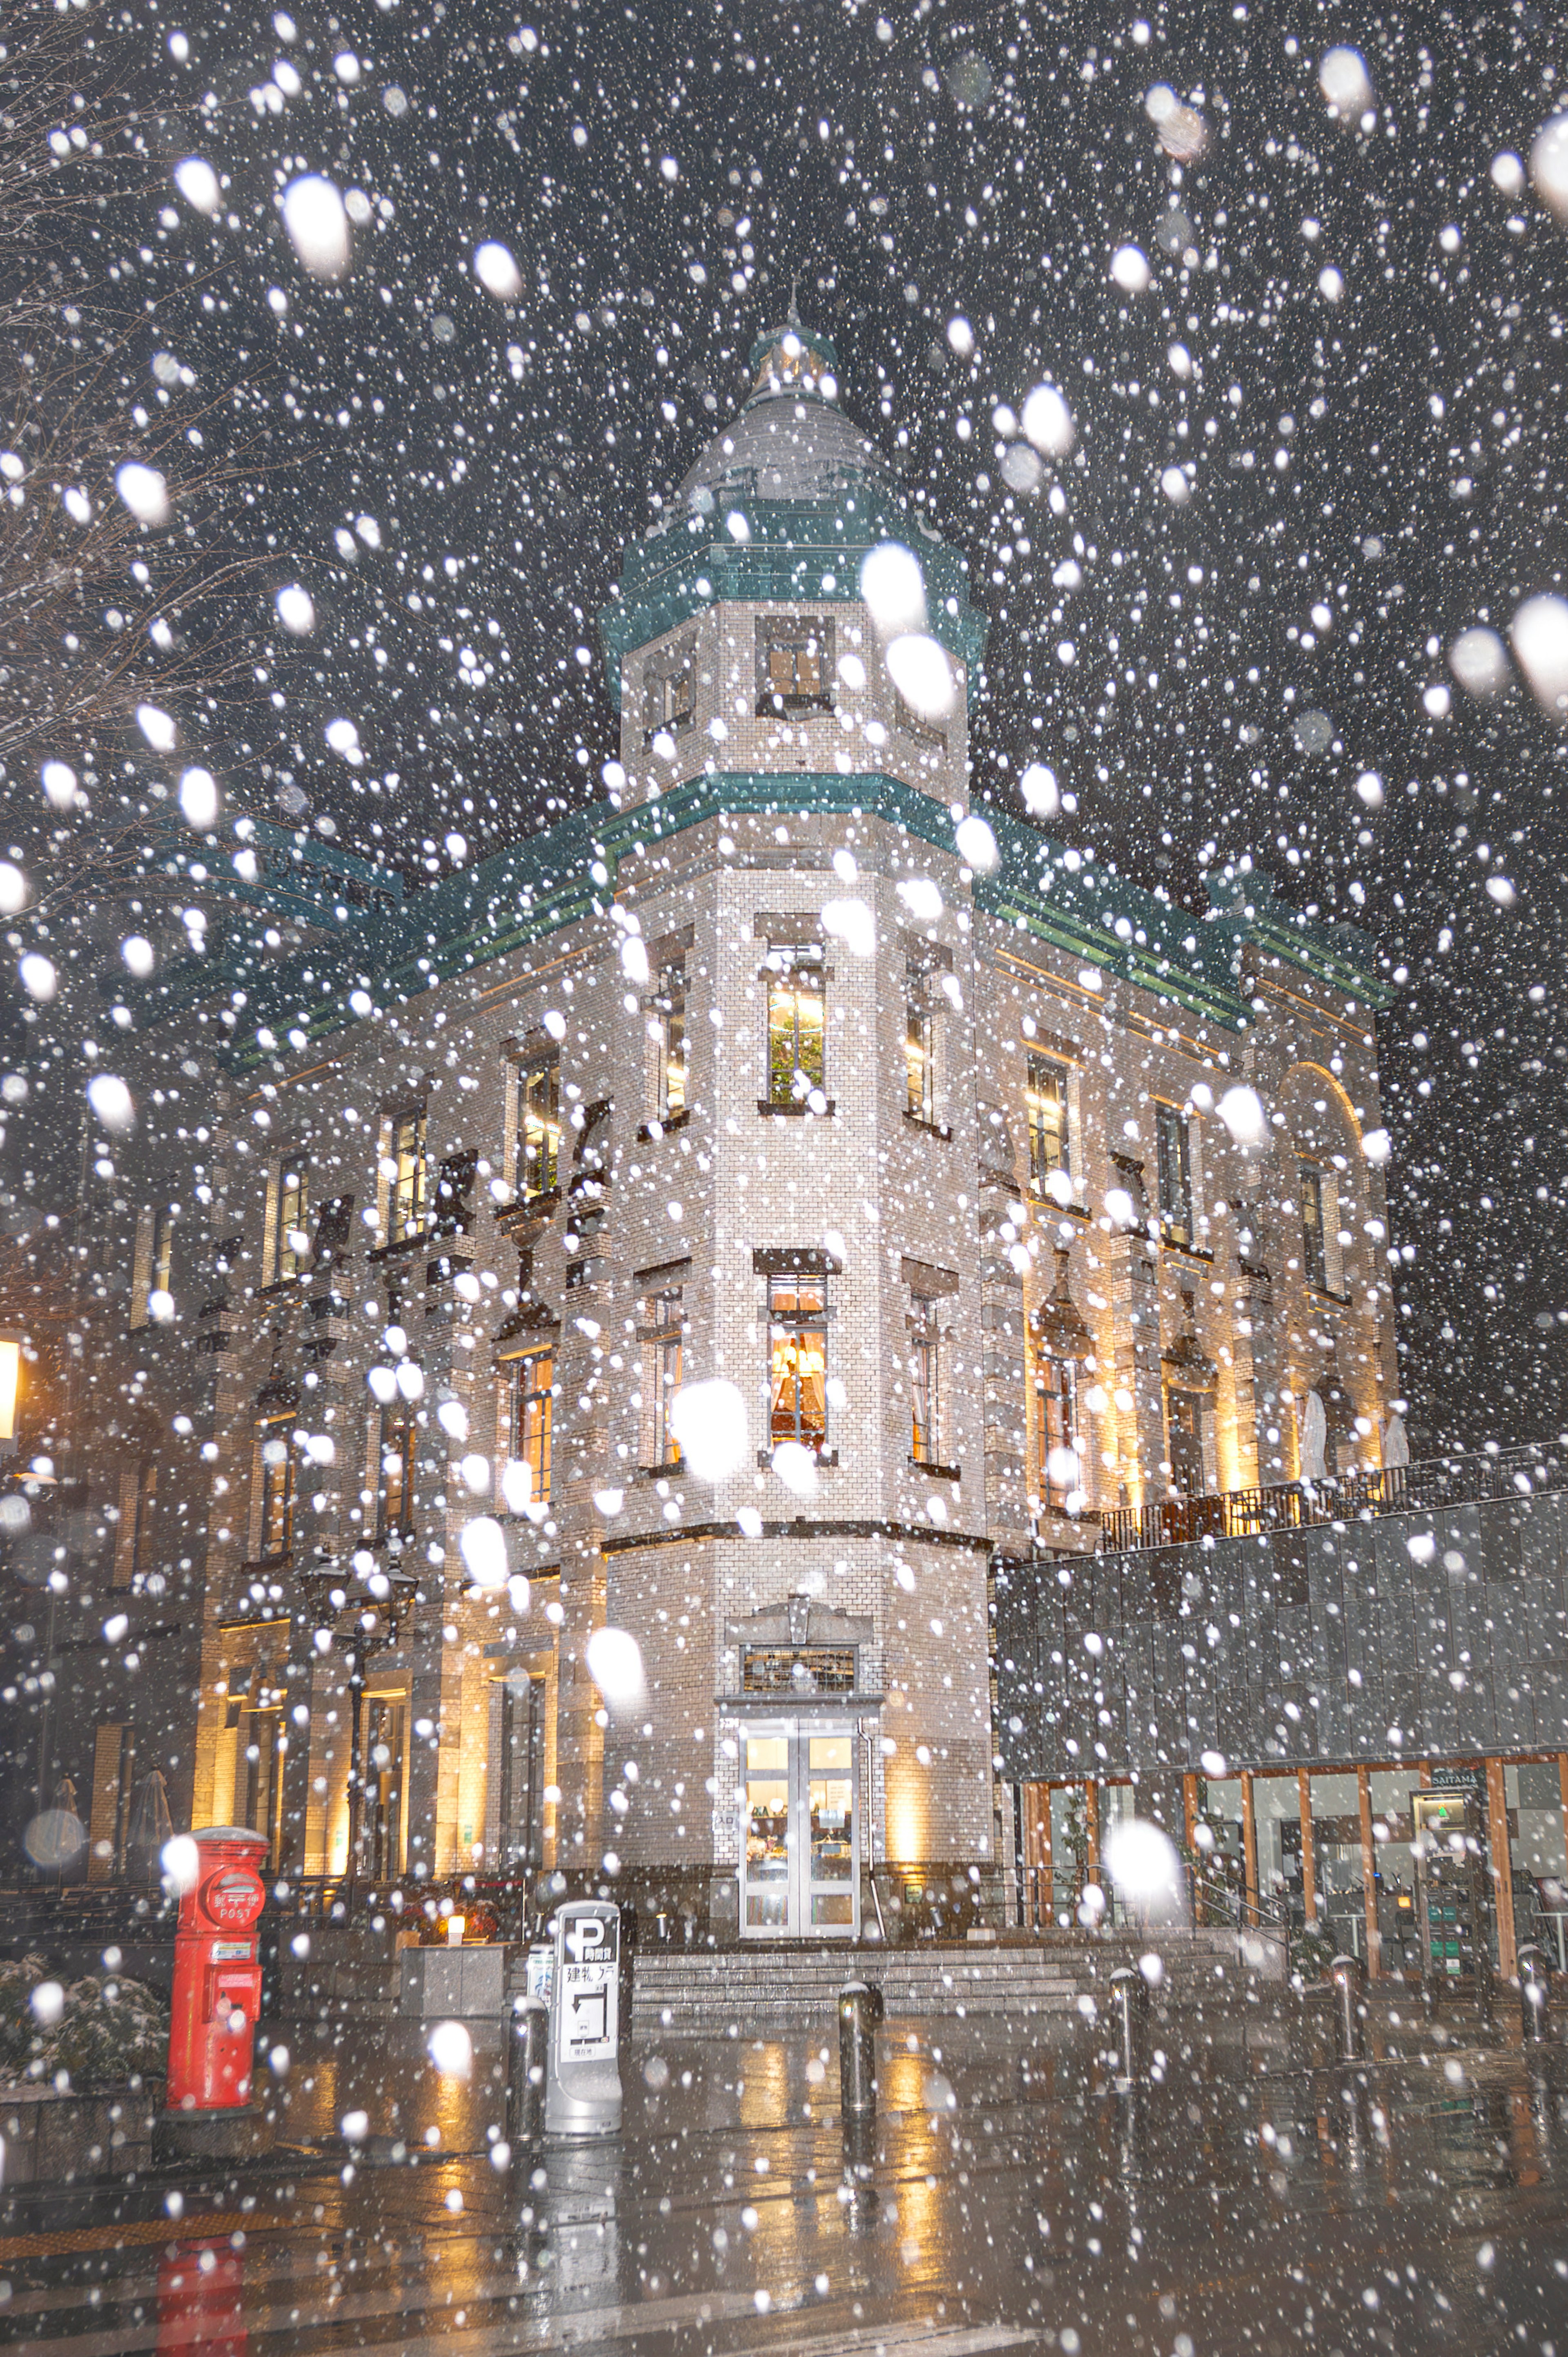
(455, 1927)
(10, 1375)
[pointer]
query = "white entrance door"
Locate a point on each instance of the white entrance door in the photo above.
(800, 1841)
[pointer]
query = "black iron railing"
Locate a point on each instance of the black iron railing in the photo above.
(1436, 1482)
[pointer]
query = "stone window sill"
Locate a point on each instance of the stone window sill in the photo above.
(650, 1131)
(929, 1128)
(937, 1472)
(787, 1109)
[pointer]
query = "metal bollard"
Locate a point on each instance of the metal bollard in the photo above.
(1129, 2002)
(1349, 2042)
(860, 2010)
(1534, 1993)
(525, 2078)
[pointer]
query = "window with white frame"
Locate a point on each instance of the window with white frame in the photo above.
(797, 1026)
(1174, 1153)
(1045, 1105)
(288, 1210)
(667, 1027)
(1054, 1383)
(925, 1381)
(536, 1136)
(797, 1360)
(794, 664)
(275, 1486)
(662, 1334)
(406, 1169)
(670, 693)
(531, 1396)
(152, 1267)
(919, 1043)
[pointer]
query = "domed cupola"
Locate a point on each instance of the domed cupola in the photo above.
(792, 441)
(744, 581)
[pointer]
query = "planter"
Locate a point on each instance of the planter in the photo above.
(454, 1984)
(53, 2138)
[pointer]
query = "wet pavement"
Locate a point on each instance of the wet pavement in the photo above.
(1239, 2205)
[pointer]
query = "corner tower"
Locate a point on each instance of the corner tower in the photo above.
(793, 610)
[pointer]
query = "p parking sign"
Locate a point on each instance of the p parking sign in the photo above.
(583, 2095)
(587, 1989)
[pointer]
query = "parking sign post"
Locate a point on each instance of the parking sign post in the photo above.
(583, 2093)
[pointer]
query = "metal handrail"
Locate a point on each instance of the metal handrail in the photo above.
(1435, 1483)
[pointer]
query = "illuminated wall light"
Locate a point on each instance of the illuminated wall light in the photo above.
(10, 1384)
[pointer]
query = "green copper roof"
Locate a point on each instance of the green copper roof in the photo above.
(1042, 891)
(802, 551)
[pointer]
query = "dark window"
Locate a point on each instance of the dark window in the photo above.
(794, 667)
(670, 695)
(797, 1360)
(797, 1012)
(1055, 1427)
(1174, 1174)
(1045, 1098)
(663, 1348)
(1183, 1442)
(278, 1483)
(400, 1436)
(1314, 1244)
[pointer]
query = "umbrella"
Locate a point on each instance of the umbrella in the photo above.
(1313, 1436)
(151, 1824)
(1396, 1443)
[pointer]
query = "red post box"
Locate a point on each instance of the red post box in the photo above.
(217, 1979)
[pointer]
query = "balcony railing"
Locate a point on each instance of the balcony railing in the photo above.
(1435, 1483)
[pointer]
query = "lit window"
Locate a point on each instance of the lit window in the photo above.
(289, 1241)
(925, 1400)
(794, 667)
(1045, 1098)
(796, 1024)
(538, 1142)
(797, 1360)
(1314, 1242)
(1175, 1157)
(408, 1184)
(162, 1251)
(1055, 1427)
(276, 1476)
(531, 1417)
(663, 1342)
(671, 1018)
(920, 1047)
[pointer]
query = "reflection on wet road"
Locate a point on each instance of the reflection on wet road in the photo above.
(1008, 2198)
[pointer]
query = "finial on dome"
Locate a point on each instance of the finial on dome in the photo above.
(795, 319)
(793, 357)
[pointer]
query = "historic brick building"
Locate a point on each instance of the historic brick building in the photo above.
(743, 1213)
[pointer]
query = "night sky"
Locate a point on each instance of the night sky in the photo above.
(1393, 458)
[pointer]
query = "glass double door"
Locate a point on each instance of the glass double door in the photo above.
(800, 1843)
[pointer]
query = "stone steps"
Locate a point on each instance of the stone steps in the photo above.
(734, 1989)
